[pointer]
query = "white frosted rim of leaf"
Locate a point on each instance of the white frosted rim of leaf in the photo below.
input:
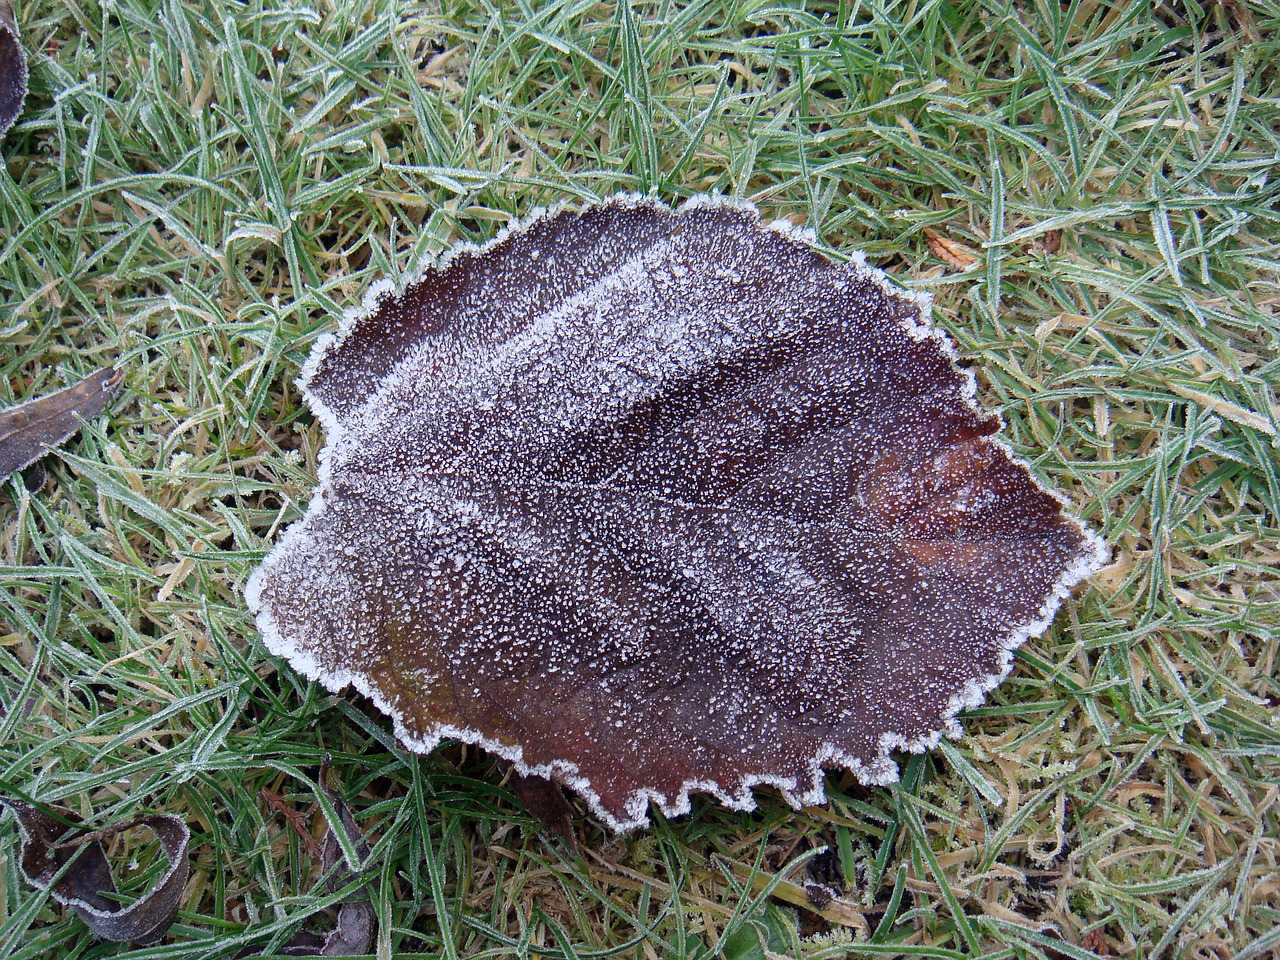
(881, 771)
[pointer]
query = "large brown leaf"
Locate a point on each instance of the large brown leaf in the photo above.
(656, 501)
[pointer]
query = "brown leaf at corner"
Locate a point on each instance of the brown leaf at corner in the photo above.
(30, 430)
(71, 864)
(947, 250)
(13, 68)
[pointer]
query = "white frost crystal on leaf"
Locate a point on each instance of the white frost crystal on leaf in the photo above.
(654, 501)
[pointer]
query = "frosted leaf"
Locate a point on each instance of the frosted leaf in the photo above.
(656, 501)
(13, 68)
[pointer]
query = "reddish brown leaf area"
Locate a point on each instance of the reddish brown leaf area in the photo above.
(656, 501)
(947, 250)
(1096, 941)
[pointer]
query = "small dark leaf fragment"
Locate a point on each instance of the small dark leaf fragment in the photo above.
(49, 848)
(353, 934)
(545, 800)
(826, 881)
(30, 430)
(824, 868)
(819, 894)
(13, 68)
(34, 476)
(1047, 243)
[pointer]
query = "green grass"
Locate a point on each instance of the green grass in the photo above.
(196, 190)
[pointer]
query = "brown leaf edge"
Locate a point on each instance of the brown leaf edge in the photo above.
(31, 429)
(13, 68)
(70, 863)
(353, 934)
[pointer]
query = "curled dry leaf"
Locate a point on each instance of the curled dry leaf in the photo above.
(13, 68)
(72, 865)
(30, 430)
(654, 501)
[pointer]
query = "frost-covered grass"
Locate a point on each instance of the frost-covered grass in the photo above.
(195, 190)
